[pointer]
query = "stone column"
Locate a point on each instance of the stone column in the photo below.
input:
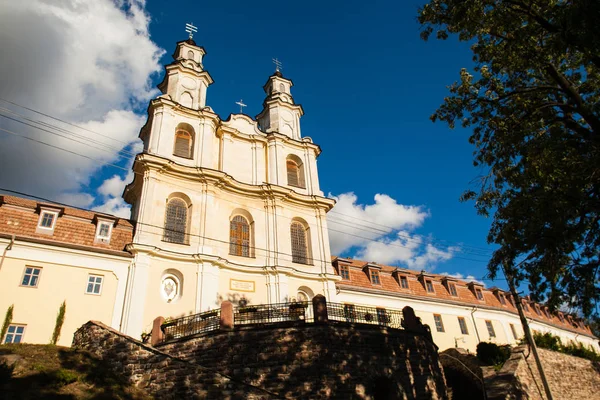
(226, 321)
(157, 333)
(320, 309)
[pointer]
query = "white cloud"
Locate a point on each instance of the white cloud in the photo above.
(353, 224)
(113, 187)
(88, 63)
(382, 232)
(115, 206)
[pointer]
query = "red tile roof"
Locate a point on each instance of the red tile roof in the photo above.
(19, 217)
(389, 277)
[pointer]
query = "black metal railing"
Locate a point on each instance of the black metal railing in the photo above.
(364, 315)
(272, 313)
(191, 325)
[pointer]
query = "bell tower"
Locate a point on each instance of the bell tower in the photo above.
(280, 114)
(186, 80)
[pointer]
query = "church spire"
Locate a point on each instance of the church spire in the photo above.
(280, 113)
(186, 80)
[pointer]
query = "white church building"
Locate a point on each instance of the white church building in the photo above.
(222, 210)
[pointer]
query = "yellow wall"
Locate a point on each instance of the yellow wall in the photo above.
(38, 307)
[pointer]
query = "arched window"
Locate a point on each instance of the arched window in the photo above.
(176, 217)
(184, 141)
(191, 55)
(281, 87)
(299, 236)
(239, 236)
(295, 171)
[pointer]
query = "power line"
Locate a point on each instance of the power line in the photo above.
(462, 245)
(237, 203)
(63, 121)
(162, 228)
(332, 220)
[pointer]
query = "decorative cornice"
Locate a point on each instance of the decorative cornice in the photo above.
(196, 258)
(144, 162)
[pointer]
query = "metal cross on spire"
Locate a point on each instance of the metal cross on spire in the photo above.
(191, 29)
(241, 104)
(278, 64)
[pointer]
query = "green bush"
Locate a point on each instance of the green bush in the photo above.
(63, 377)
(492, 354)
(547, 341)
(551, 342)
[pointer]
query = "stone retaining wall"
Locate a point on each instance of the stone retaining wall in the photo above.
(569, 377)
(161, 375)
(323, 360)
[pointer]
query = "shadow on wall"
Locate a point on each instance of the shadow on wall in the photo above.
(238, 300)
(328, 360)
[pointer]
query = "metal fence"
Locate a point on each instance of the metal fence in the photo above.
(272, 313)
(191, 325)
(364, 315)
(265, 314)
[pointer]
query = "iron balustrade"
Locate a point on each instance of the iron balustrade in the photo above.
(191, 325)
(272, 313)
(364, 315)
(269, 314)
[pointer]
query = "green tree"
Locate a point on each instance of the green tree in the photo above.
(60, 319)
(7, 320)
(532, 102)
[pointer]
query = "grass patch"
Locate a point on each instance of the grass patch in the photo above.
(52, 372)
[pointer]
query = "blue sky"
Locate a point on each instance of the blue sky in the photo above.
(368, 85)
(366, 80)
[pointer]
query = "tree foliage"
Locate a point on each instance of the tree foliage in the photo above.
(532, 102)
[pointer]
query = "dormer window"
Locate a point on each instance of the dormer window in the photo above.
(404, 282)
(525, 306)
(372, 271)
(502, 299)
(47, 220)
(104, 228)
(452, 289)
(537, 310)
(479, 294)
(345, 272)
(375, 277)
(561, 317)
(429, 286)
(547, 313)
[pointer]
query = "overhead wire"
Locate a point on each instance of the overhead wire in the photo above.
(226, 242)
(331, 220)
(389, 228)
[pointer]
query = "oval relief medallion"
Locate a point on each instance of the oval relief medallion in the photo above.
(188, 83)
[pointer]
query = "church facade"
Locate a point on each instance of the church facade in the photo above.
(221, 210)
(224, 210)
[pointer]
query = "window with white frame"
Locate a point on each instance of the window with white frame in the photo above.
(94, 285)
(14, 333)
(31, 276)
(104, 230)
(47, 220)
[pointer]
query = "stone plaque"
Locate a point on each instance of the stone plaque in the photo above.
(241, 286)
